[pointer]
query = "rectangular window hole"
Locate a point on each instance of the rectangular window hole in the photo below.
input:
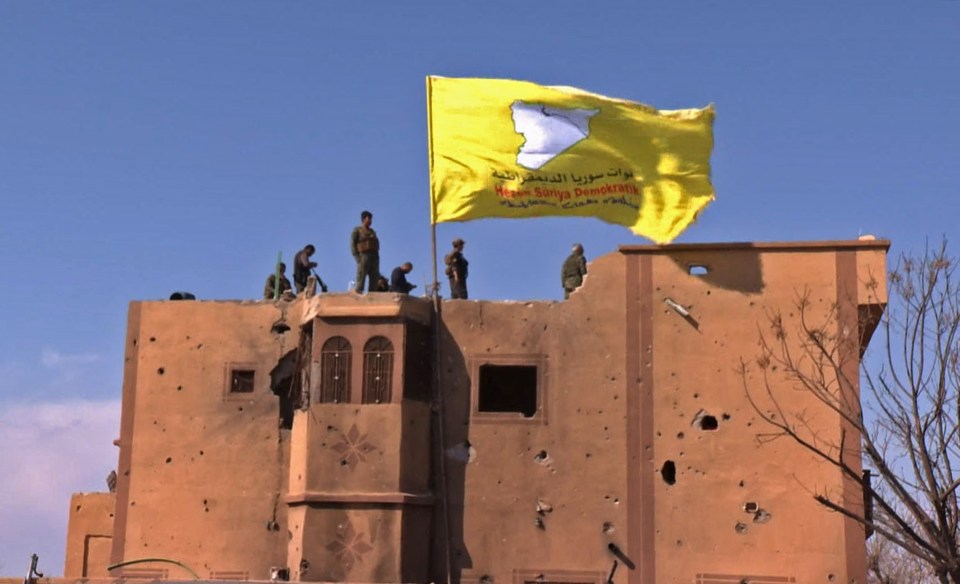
(241, 381)
(508, 389)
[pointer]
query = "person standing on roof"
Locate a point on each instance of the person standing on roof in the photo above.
(302, 266)
(573, 270)
(365, 247)
(457, 270)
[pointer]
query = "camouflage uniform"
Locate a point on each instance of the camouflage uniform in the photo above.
(572, 273)
(365, 248)
(457, 274)
(268, 288)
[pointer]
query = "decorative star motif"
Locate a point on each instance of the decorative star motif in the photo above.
(349, 546)
(353, 447)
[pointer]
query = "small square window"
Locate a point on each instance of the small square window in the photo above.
(241, 381)
(508, 389)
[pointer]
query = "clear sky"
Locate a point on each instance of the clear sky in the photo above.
(148, 147)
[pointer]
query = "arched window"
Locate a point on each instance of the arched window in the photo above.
(377, 370)
(335, 371)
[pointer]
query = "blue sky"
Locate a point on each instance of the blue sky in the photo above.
(153, 147)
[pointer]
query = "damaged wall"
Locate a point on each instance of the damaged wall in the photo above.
(200, 431)
(611, 426)
(644, 438)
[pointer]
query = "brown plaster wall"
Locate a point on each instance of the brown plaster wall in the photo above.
(626, 376)
(206, 468)
(581, 429)
(89, 534)
(209, 479)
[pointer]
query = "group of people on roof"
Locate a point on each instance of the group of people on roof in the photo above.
(365, 248)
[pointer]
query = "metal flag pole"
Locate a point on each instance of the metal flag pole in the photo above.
(438, 361)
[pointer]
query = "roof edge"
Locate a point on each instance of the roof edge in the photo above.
(879, 244)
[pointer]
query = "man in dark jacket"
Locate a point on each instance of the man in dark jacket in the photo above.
(457, 270)
(398, 279)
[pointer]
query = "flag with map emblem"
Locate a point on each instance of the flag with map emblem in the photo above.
(501, 148)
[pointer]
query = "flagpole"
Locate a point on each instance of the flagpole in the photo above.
(438, 361)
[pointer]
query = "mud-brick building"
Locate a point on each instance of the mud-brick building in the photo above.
(564, 436)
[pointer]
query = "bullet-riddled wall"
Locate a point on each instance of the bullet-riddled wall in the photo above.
(643, 447)
(202, 457)
(613, 426)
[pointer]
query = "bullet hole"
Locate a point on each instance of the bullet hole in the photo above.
(679, 543)
(540, 524)
(169, 460)
(831, 577)
(740, 528)
(762, 516)
(134, 342)
(680, 435)
(742, 483)
(543, 507)
(750, 507)
(239, 408)
(607, 528)
(486, 578)
(273, 525)
(696, 396)
(160, 371)
(199, 345)
(669, 472)
(541, 457)
(153, 339)
(78, 508)
(588, 455)
(133, 503)
(725, 417)
(705, 422)
(343, 463)
(201, 453)
(179, 388)
(616, 501)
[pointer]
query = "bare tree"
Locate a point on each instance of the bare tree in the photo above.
(907, 427)
(888, 564)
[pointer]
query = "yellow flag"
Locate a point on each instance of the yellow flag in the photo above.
(501, 148)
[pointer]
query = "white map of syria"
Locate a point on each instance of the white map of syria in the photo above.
(548, 131)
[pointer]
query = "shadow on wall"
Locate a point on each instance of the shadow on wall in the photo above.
(731, 269)
(457, 455)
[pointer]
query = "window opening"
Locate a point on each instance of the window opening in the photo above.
(335, 371)
(241, 381)
(377, 370)
(698, 270)
(508, 389)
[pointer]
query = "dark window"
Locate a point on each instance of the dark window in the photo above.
(335, 371)
(241, 381)
(508, 389)
(377, 370)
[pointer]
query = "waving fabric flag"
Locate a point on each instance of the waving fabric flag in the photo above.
(501, 148)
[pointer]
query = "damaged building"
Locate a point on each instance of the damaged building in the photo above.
(345, 438)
